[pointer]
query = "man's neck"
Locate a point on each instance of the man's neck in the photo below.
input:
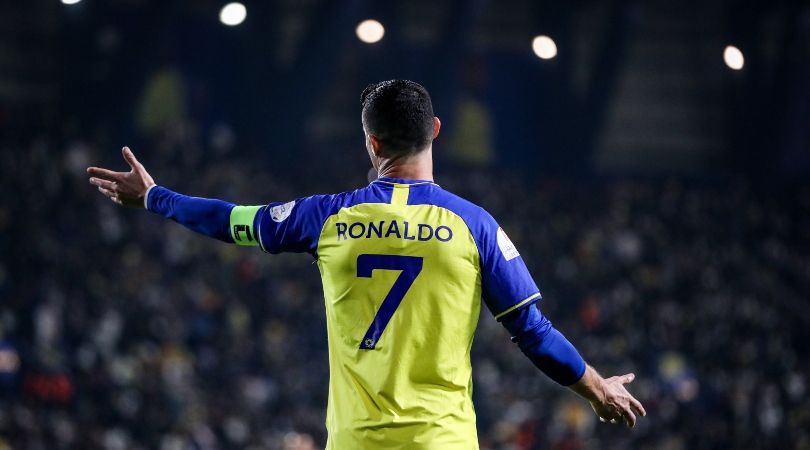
(416, 167)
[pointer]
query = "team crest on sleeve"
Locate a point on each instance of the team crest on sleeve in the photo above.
(280, 212)
(507, 247)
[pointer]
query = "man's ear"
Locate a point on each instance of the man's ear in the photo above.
(376, 145)
(437, 125)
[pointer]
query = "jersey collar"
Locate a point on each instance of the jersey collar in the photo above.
(389, 180)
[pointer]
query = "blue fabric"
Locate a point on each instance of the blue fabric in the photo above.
(301, 229)
(203, 215)
(505, 282)
(546, 347)
(296, 227)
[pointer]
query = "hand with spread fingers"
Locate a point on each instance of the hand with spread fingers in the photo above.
(609, 398)
(124, 188)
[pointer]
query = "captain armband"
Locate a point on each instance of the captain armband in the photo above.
(242, 230)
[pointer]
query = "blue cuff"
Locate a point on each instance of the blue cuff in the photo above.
(546, 347)
(206, 216)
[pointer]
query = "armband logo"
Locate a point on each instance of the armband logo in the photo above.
(243, 228)
(280, 212)
(507, 247)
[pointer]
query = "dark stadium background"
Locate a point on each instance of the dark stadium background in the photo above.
(660, 198)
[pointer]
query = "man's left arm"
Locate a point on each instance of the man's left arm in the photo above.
(276, 227)
(211, 217)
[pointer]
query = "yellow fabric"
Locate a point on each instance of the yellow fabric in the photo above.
(414, 390)
(242, 231)
(517, 305)
(400, 194)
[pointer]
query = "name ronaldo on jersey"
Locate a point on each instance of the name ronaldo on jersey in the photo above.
(394, 228)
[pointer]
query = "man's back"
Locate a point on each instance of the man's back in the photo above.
(404, 265)
(401, 264)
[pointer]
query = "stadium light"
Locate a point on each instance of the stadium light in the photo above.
(70, 2)
(544, 47)
(370, 31)
(733, 57)
(233, 14)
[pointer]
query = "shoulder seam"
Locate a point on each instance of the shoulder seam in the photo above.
(470, 230)
(323, 224)
(331, 213)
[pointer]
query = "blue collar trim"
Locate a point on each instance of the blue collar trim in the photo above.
(389, 180)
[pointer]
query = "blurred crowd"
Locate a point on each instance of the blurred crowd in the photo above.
(119, 330)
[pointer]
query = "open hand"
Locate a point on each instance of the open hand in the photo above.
(616, 405)
(124, 188)
(608, 397)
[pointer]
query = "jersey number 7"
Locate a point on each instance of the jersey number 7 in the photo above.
(410, 267)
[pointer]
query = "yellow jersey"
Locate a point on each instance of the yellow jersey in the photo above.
(404, 265)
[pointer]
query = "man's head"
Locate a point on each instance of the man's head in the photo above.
(398, 118)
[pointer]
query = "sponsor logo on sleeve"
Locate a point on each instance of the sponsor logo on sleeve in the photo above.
(507, 247)
(280, 212)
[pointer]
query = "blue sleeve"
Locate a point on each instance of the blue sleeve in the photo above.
(546, 347)
(293, 226)
(506, 282)
(205, 216)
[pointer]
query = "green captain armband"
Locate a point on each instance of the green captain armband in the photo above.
(242, 230)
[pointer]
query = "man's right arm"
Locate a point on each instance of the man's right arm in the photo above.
(553, 354)
(505, 281)
(608, 396)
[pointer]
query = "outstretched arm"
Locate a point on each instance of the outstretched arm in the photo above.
(552, 353)
(276, 227)
(137, 189)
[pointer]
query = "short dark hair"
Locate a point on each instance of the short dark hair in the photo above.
(400, 114)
